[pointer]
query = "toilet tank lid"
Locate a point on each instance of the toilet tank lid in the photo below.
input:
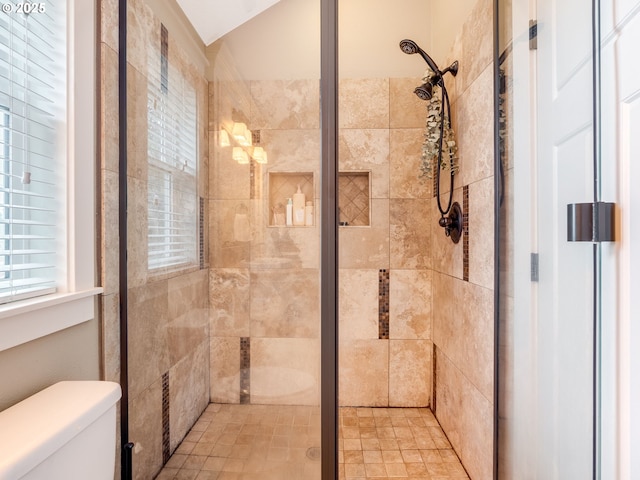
(33, 429)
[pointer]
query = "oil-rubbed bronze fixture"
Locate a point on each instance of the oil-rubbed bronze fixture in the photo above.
(452, 223)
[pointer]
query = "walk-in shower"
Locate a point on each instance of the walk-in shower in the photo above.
(452, 223)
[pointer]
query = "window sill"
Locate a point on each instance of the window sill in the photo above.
(27, 320)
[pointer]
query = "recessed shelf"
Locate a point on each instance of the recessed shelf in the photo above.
(354, 199)
(283, 185)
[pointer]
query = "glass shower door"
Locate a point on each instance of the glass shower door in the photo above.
(265, 190)
(547, 425)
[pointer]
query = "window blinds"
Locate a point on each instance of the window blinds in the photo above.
(172, 157)
(32, 149)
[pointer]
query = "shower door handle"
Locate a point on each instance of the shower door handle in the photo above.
(591, 222)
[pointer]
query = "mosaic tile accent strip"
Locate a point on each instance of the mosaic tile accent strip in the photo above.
(255, 137)
(383, 304)
(434, 379)
(201, 232)
(164, 58)
(253, 185)
(465, 231)
(245, 365)
(166, 425)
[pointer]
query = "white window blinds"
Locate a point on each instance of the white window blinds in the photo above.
(172, 156)
(32, 149)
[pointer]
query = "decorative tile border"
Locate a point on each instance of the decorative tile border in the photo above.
(166, 424)
(253, 187)
(254, 172)
(434, 379)
(245, 365)
(383, 304)
(465, 229)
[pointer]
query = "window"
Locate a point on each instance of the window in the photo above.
(172, 156)
(47, 168)
(32, 149)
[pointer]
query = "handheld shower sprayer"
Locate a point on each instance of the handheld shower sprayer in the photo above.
(453, 224)
(410, 47)
(425, 91)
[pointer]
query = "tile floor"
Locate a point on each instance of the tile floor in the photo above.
(264, 442)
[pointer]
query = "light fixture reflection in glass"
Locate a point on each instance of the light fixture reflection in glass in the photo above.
(240, 156)
(259, 155)
(242, 134)
(223, 138)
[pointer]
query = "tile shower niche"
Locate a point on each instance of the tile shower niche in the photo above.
(354, 199)
(283, 185)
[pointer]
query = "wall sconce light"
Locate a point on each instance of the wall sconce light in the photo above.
(242, 134)
(223, 138)
(240, 156)
(259, 155)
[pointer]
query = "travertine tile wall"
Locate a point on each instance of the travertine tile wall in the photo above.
(381, 131)
(168, 316)
(267, 288)
(463, 304)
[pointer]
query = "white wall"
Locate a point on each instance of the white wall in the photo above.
(444, 24)
(284, 41)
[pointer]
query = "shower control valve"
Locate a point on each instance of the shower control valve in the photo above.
(453, 223)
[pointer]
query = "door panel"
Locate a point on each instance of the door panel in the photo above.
(565, 292)
(547, 393)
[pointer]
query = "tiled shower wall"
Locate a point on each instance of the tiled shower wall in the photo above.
(463, 273)
(266, 288)
(385, 277)
(168, 315)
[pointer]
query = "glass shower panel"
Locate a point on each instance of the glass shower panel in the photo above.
(546, 306)
(166, 165)
(415, 308)
(264, 199)
(383, 232)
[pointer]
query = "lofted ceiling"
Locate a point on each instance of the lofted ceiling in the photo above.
(214, 18)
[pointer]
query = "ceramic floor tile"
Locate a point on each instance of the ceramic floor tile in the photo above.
(261, 442)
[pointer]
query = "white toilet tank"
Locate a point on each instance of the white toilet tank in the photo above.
(66, 431)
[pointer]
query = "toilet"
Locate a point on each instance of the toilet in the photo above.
(66, 431)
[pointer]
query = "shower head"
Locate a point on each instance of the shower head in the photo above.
(424, 91)
(410, 47)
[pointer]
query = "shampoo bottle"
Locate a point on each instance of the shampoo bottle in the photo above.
(289, 212)
(298, 207)
(308, 214)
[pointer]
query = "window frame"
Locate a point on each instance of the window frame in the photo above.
(74, 302)
(161, 162)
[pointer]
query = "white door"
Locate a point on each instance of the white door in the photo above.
(565, 292)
